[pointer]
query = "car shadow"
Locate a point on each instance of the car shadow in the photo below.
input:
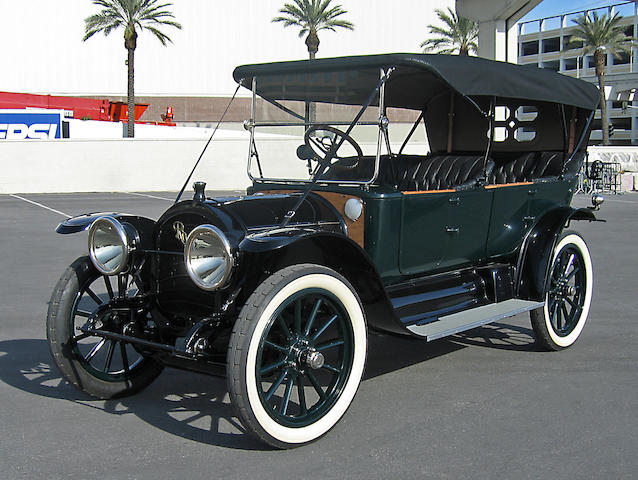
(500, 336)
(185, 404)
(197, 407)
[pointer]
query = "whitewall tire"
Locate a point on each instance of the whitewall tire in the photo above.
(560, 322)
(296, 355)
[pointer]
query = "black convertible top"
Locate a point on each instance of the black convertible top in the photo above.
(417, 79)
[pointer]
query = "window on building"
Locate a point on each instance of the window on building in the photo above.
(621, 123)
(553, 65)
(570, 64)
(529, 48)
(629, 31)
(568, 44)
(551, 44)
(622, 59)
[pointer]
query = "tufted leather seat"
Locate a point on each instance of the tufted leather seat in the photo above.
(433, 172)
(531, 166)
(442, 172)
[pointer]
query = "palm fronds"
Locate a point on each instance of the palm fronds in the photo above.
(458, 35)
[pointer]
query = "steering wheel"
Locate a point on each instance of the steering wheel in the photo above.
(319, 139)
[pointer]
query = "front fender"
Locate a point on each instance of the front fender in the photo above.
(144, 226)
(82, 222)
(536, 253)
(281, 248)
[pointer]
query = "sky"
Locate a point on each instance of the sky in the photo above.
(548, 8)
(47, 54)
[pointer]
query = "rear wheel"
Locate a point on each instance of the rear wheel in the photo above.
(100, 367)
(559, 323)
(296, 355)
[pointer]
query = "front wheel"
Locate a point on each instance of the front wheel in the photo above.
(558, 324)
(296, 355)
(97, 366)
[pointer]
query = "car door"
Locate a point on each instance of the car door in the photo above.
(443, 229)
(510, 219)
(467, 226)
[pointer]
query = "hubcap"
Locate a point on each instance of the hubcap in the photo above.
(314, 360)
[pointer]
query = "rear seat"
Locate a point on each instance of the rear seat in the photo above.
(443, 172)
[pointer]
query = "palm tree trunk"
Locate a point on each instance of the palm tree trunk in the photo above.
(311, 107)
(312, 42)
(131, 93)
(599, 57)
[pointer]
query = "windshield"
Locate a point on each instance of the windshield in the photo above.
(290, 138)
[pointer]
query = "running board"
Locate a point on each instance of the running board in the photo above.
(475, 317)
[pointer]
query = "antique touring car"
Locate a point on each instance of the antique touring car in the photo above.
(350, 226)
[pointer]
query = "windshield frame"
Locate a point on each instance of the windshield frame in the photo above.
(382, 137)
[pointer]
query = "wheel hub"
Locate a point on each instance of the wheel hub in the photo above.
(563, 289)
(302, 355)
(314, 359)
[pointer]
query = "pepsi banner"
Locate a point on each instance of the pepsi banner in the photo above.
(30, 125)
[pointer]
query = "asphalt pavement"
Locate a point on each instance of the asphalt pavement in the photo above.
(486, 404)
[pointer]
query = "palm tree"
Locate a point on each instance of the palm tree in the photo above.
(133, 16)
(600, 35)
(460, 35)
(312, 16)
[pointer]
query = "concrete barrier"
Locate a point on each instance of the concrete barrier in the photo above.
(119, 165)
(627, 157)
(139, 165)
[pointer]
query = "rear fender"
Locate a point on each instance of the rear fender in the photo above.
(332, 250)
(535, 257)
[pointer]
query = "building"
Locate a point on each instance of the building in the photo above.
(546, 43)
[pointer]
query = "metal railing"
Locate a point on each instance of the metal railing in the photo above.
(604, 177)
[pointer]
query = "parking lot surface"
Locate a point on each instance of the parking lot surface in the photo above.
(486, 404)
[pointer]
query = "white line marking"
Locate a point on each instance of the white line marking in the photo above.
(40, 205)
(149, 196)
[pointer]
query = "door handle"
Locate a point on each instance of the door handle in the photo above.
(452, 229)
(455, 200)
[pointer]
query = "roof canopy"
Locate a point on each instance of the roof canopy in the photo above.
(418, 78)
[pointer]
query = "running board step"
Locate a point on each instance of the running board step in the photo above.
(475, 317)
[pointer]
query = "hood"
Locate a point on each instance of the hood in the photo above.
(264, 212)
(247, 216)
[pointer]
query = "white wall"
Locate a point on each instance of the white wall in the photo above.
(138, 165)
(44, 53)
(119, 165)
(626, 156)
